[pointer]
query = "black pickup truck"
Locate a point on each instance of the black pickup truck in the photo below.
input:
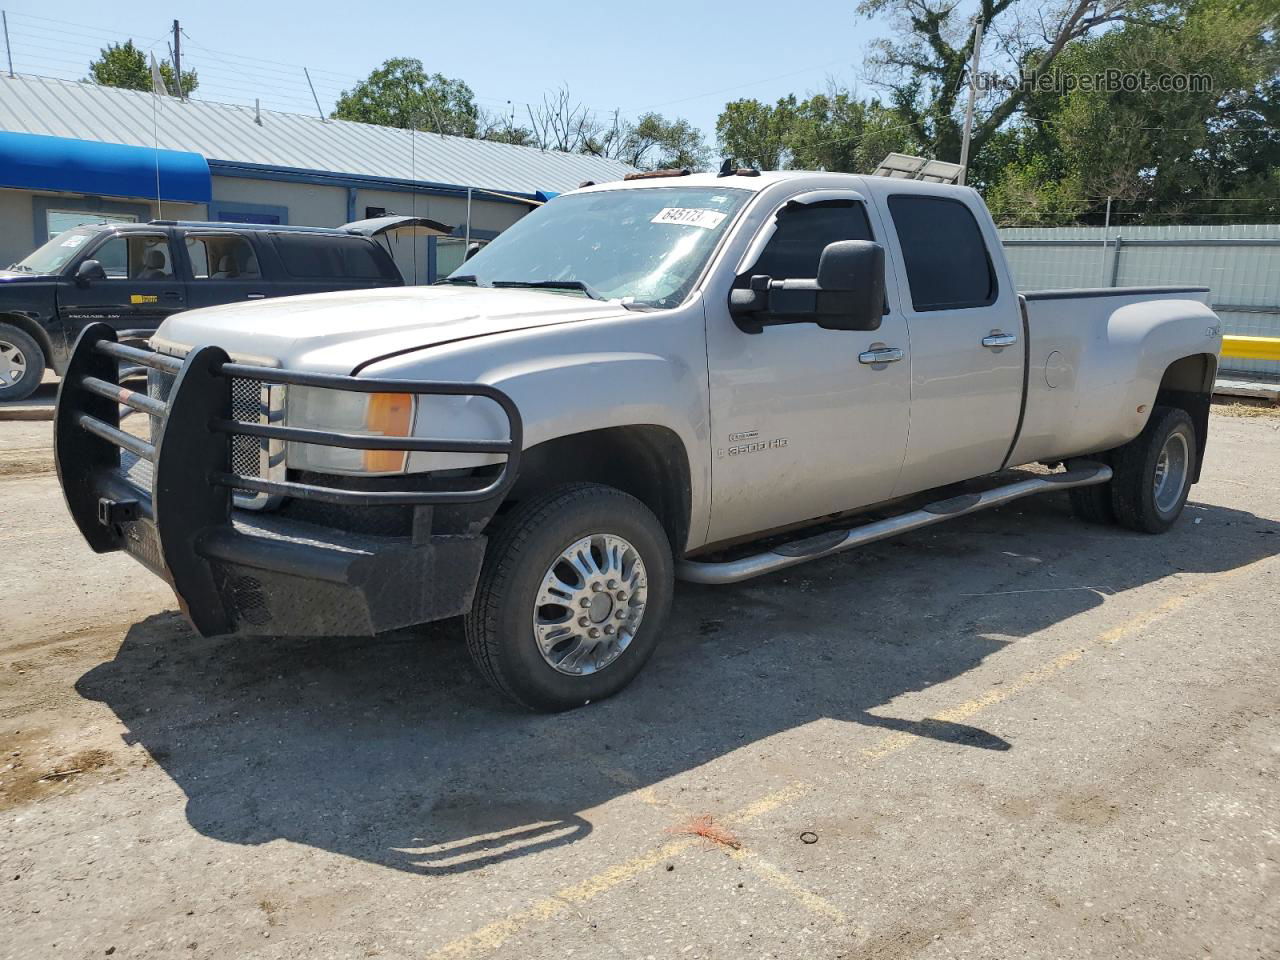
(133, 275)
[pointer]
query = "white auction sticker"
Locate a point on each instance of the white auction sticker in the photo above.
(690, 217)
(74, 241)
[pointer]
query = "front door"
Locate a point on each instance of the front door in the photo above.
(805, 421)
(966, 343)
(141, 288)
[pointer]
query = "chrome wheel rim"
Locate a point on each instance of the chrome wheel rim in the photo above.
(1171, 472)
(590, 604)
(13, 364)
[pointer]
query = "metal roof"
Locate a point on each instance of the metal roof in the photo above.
(232, 134)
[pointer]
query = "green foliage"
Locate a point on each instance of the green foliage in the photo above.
(755, 133)
(1159, 153)
(401, 93)
(656, 143)
(124, 65)
(827, 131)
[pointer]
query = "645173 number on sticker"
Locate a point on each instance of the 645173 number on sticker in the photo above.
(690, 217)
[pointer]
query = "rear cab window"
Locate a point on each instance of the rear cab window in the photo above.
(319, 257)
(948, 265)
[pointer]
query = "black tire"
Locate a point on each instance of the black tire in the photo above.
(1133, 488)
(500, 628)
(1092, 504)
(15, 344)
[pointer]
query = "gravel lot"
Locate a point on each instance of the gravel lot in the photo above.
(1014, 735)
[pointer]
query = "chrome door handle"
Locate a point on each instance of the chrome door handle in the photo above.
(881, 355)
(997, 340)
(255, 296)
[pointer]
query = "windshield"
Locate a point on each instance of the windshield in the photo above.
(643, 246)
(55, 254)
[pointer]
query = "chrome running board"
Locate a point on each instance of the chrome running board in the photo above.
(835, 541)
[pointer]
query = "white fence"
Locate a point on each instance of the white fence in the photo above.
(1240, 265)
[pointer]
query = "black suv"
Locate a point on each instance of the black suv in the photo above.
(133, 275)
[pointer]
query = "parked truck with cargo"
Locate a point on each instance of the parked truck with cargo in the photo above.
(692, 377)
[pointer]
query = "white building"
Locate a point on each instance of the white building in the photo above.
(73, 152)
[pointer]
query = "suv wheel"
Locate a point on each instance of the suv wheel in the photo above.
(573, 597)
(21, 364)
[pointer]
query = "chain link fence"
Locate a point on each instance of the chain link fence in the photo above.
(1240, 264)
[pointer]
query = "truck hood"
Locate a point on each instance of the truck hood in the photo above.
(338, 332)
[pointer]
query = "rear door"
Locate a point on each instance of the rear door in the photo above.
(225, 268)
(966, 352)
(142, 285)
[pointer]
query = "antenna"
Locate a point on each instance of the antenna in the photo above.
(7, 49)
(307, 73)
(155, 129)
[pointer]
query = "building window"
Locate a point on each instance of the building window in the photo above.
(57, 221)
(228, 211)
(450, 253)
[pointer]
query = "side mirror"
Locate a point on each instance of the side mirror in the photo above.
(851, 285)
(848, 293)
(89, 270)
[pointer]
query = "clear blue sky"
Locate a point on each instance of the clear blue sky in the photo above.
(680, 60)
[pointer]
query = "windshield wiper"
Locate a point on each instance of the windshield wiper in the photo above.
(22, 267)
(468, 278)
(552, 285)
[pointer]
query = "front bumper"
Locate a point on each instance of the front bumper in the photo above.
(235, 571)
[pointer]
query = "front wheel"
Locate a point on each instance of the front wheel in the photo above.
(573, 597)
(21, 364)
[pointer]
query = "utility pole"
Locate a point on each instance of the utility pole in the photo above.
(973, 95)
(177, 59)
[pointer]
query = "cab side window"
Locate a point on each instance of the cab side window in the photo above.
(803, 232)
(222, 258)
(136, 257)
(948, 267)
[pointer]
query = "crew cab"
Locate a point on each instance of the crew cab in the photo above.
(134, 275)
(674, 376)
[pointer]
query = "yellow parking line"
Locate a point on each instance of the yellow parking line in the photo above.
(493, 935)
(785, 881)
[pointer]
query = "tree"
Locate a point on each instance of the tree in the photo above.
(401, 93)
(652, 142)
(924, 66)
(756, 133)
(826, 131)
(1158, 153)
(124, 65)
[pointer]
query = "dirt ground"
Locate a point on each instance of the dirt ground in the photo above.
(1011, 736)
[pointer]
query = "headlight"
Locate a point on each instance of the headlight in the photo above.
(342, 411)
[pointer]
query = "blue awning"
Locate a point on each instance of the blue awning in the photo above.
(35, 162)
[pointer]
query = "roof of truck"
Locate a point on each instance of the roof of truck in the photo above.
(763, 179)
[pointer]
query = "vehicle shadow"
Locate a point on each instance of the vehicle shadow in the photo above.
(391, 749)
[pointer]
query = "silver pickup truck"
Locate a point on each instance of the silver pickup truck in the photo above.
(676, 376)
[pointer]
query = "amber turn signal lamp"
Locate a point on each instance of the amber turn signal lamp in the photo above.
(390, 415)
